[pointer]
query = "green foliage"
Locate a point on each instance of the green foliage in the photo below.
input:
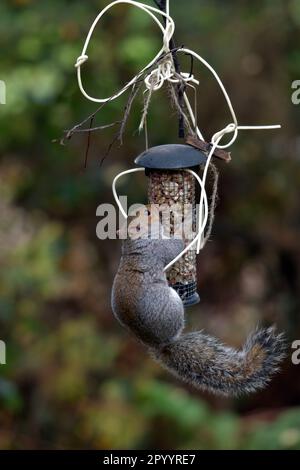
(284, 433)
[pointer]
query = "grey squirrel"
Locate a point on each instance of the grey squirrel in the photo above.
(144, 303)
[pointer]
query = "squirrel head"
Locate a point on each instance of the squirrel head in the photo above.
(154, 221)
(144, 223)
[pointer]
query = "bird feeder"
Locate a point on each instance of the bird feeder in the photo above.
(170, 184)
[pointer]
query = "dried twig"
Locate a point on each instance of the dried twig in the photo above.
(205, 147)
(99, 128)
(213, 203)
(134, 91)
(88, 143)
(176, 103)
(180, 88)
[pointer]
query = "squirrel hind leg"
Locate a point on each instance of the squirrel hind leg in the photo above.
(160, 317)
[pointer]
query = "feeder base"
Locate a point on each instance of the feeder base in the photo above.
(193, 300)
(187, 293)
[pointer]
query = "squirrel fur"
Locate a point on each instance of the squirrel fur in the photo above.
(148, 307)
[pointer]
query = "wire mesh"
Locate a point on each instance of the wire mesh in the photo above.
(176, 189)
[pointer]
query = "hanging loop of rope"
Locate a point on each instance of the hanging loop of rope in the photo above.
(167, 31)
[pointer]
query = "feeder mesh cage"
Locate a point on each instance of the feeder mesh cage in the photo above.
(177, 188)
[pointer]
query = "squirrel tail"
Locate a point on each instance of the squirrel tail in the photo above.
(206, 363)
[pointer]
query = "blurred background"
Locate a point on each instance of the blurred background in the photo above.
(74, 378)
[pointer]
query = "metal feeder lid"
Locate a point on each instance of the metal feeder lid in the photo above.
(170, 157)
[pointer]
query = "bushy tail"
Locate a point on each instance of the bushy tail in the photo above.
(206, 363)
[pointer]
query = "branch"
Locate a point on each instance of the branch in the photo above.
(180, 88)
(161, 4)
(77, 128)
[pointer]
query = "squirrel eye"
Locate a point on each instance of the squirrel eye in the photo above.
(138, 228)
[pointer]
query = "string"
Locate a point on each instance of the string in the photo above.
(205, 204)
(167, 32)
(114, 191)
(154, 80)
(202, 221)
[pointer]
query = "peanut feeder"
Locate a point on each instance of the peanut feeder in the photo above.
(170, 185)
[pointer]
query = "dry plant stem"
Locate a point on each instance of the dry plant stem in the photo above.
(98, 128)
(213, 203)
(147, 100)
(119, 136)
(88, 143)
(133, 94)
(178, 106)
(180, 88)
(110, 146)
(77, 128)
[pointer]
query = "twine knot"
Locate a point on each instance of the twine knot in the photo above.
(156, 78)
(81, 60)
